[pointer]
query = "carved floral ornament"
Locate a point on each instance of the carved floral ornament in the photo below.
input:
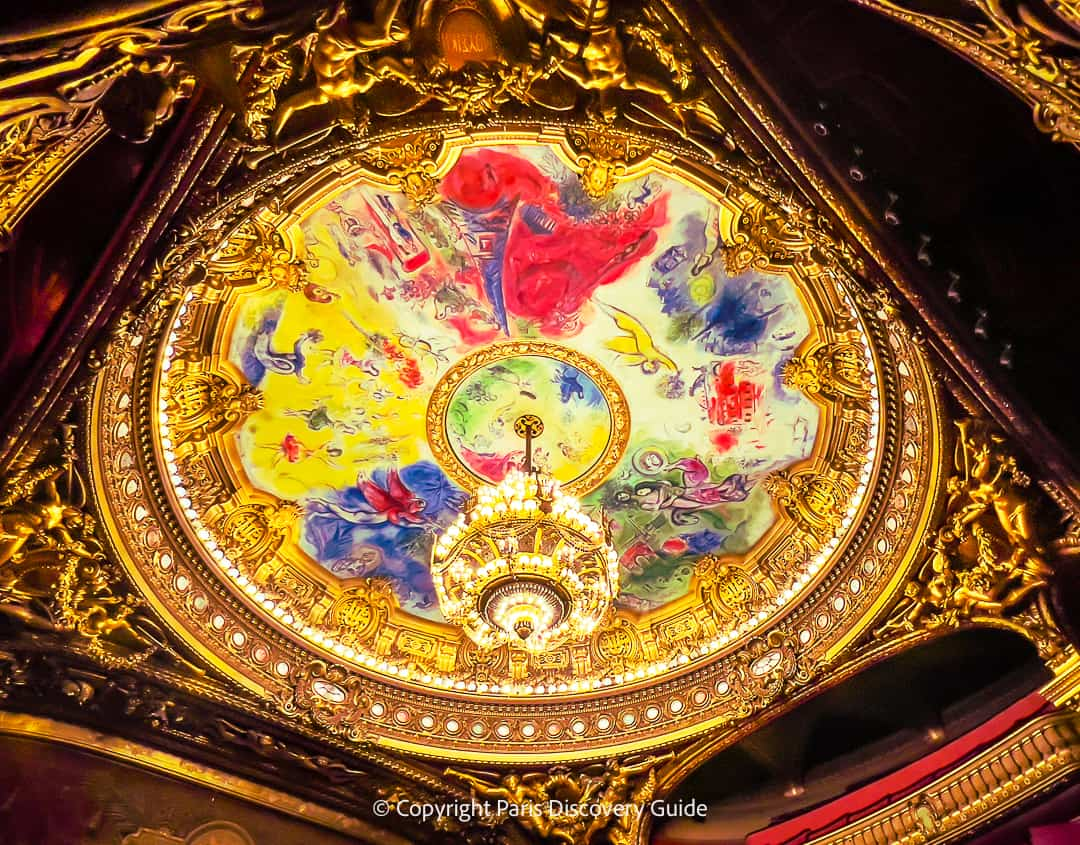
(847, 519)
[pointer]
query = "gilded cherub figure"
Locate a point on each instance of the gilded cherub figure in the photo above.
(589, 47)
(34, 508)
(340, 74)
(986, 559)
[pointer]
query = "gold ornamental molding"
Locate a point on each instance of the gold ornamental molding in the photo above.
(1031, 761)
(64, 86)
(41, 729)
(1031, 47)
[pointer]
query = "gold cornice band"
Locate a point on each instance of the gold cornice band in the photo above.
(1033, 759)
(161, 762)
(1019, 56)
(1064, 689)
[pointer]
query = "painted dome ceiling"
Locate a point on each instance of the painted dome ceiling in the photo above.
(392, 375)
(334, 381)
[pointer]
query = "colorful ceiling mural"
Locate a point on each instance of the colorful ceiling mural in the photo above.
(392, 369)
(335, 376)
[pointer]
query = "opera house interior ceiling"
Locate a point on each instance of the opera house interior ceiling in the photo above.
(524, 421)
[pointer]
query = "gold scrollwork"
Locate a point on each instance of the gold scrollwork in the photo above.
(834, 371)
(253, 533)
(764, 670)
(604, 157)
(203, 404)
(254, 254)
(813, 500)
(409, 165)
(987, 562)
(764, 238)
(617, 646)
(329, 697)
(361, 611)
(727, 589)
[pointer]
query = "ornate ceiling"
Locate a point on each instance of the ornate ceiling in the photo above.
(279, 446)
(418, 228)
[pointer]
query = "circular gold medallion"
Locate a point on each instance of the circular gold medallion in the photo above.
(473, 414)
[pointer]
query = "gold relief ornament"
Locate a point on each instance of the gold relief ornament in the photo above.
(254, 254)
(409, 165)
(300, 592)
(340, 65)
(487, 666)
(604, 158)
(813, 500)
(617, 646)
(361, 611)
(727, 589)
(472, 58)
(599, 53)
(763, 238)
(207, 487)
(253, 533)
(125, 72)
(763, 671)
(574, 806)
(833, 371)
(202, 404)
(987, 561)
(328, 697)
(32, 511)
(54, 573)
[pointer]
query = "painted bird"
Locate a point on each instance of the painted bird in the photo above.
(636, 346)
(397, 503)
(285, 363)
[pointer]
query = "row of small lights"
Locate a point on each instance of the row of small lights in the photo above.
(372, 662)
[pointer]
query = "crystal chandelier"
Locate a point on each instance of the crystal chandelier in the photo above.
(524, 564)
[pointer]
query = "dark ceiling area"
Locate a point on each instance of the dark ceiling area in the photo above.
(984, 204)
(886, 717)
(54, 249)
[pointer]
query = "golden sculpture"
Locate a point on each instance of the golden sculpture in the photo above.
(589, 47)
(986, 561)
(340, 72)
(54, 573)
(574, 806)
(34, 509)
(633, 784)
(399, 68)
